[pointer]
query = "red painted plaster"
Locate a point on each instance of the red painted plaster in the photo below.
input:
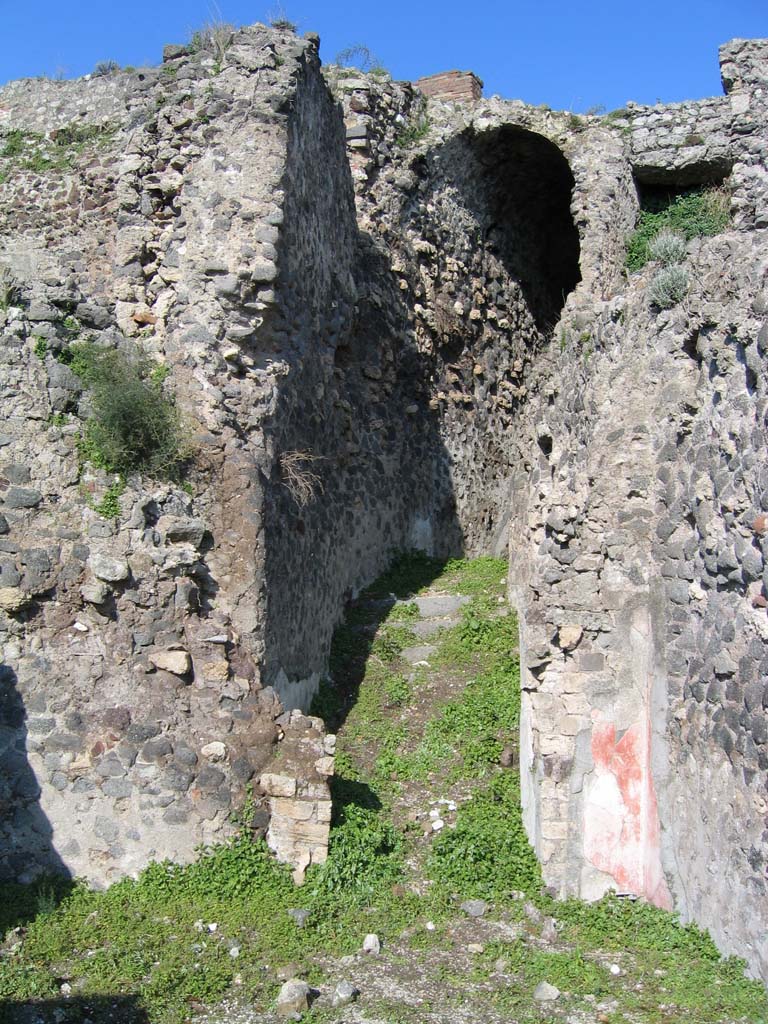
(621, 822)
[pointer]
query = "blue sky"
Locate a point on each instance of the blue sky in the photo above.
(572, 56)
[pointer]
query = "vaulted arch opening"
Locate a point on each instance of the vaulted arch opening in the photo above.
(528, 185)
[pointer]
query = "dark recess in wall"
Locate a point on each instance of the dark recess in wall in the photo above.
(529, 188)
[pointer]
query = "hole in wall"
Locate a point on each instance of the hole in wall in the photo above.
(702, 173)
(529, 184)
(691, 347)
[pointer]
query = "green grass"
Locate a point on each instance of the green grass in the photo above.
(409, 573)
(30, 151)
(414, 133)
(487, 855)
(149, 938)
(692, 213)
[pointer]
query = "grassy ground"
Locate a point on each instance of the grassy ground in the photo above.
(417, 743)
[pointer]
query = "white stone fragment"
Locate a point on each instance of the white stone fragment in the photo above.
(546, 993)
(105, 567)
(178, 663)
(215, 751)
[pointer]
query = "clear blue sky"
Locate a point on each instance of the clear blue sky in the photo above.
(570, 55)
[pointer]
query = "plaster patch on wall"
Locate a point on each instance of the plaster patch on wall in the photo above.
(422, 536)
(621, 822)
(296, 693)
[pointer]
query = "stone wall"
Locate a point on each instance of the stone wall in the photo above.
(592, 419)
(639, 578)
(391, 321)
(136, 711)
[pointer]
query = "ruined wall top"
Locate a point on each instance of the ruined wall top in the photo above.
(744, 64)
(460, 86)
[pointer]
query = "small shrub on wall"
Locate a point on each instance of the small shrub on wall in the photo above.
(668, 287)
(667, 248)
(133, 426)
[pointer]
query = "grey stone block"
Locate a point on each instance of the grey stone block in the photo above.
(22, 497)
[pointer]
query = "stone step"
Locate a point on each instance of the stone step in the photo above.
(420, 652)
(436, 606)
(424, 628)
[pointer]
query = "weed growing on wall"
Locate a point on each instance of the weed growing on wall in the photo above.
(58, 151)
(214, 37)
(667, 247)
(109, 506)
(360, 56)
(133, 426)
(415, 132)
(299, 477)
(693, 213)
(104, 68)
(668, 287)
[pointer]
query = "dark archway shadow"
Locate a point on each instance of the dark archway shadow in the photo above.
(33, 877)
(75, 1010)
(529, 187)
(517, 186)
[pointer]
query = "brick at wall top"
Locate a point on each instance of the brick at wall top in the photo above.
(452, 85)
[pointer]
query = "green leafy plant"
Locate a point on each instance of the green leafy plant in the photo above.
(109, 506)
(278, 18)
(38, 153)
(159, 374)
(487, 854)
(415, 132)
(390, 641)
(40, 347)
(14, 143)
(283, 25)
(133, 426)
(691, 213)
(364, 856)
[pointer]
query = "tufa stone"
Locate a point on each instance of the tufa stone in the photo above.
(105, 567)
(178, 663)
(293, 998)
